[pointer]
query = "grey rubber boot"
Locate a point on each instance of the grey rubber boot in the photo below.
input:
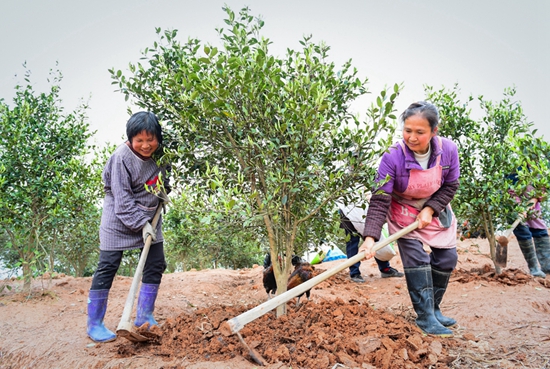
(542, 247)
(420, 285)
(97, 306)
(441, 280)
(528, 249)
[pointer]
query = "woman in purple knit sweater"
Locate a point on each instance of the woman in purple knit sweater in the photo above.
(423, 176)
(128, 209)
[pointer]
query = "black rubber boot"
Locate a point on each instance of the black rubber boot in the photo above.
(440, 281)
(528, 249)
(420, 285)
(542, 247)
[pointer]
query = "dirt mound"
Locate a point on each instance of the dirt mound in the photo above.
(510, 277)
(314, 335)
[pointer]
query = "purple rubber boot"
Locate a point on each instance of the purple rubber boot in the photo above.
(146, 304)
(97, 306)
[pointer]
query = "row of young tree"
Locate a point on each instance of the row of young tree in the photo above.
(48, 193)
(261, 147)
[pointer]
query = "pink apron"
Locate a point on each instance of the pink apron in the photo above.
(405, 207)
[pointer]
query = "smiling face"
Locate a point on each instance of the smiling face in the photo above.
(417, 133)
(145, 144)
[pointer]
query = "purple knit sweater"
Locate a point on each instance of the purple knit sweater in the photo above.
(127, 206)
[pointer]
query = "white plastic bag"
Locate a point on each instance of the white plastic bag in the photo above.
(387, 252)
(356, 214)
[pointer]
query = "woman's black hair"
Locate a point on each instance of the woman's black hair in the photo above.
(143, 121)
(425, 109)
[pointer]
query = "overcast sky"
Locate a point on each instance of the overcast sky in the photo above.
(483, 45)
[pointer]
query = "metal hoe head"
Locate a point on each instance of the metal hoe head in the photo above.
(501, 252)
(125, 329)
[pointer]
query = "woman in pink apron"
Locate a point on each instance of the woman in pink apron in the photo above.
(422, 173)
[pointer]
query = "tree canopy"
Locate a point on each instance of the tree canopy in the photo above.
(46, 186)
(272, 138)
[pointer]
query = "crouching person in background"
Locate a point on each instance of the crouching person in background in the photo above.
(352, 219)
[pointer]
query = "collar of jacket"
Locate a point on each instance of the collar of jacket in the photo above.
(437, 149)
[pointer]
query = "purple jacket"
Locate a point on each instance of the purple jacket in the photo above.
(397, 165)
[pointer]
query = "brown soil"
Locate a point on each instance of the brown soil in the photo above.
(504, 322)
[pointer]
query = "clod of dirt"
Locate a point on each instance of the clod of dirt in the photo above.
(153, 334)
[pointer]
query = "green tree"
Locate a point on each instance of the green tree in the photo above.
(42, 150)
(75, 239)
(491, 149)
(271, 137)
(200, 234)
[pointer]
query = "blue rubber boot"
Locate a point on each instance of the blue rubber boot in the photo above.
(97, 306)
(441, 280)
(420, 285)
(146, 304)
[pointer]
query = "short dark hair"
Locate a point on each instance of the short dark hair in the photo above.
(426, 109)
(144, 121)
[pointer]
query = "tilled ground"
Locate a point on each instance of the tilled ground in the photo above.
(316, 334)
(503, 322)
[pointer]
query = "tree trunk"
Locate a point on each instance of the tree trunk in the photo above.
(282, 280)
(27, 277)
(492, 247)
(490, 233)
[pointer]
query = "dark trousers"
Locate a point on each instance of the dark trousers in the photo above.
(413, 255)
(109, 262)
(524, 232)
